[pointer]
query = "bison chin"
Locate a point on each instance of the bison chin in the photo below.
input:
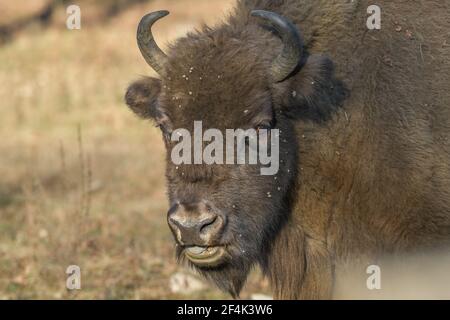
(230, 275)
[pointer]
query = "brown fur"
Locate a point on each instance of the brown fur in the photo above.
(367, 129)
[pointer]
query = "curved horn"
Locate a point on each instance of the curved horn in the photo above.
(154, 56)
(289, 59)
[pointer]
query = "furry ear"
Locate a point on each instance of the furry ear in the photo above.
(142, 98)
(313, 93)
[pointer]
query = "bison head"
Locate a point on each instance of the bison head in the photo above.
(240, 75)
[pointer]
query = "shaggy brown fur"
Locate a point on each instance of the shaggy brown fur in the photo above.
(365, 144)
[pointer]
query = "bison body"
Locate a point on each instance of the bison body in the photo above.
(364, 124)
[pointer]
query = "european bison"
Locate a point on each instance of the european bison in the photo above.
(364, 120)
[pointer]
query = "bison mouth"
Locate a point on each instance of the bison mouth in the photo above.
(205, 256)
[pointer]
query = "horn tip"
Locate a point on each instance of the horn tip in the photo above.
(156, 15)
(163, 13)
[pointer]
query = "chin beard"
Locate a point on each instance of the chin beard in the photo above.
(229, 277)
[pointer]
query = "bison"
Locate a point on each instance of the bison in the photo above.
(364, 123)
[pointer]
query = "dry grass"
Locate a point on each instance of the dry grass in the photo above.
(82, 179)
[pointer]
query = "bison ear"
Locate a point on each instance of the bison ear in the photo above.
(314, 92)
(142, 97)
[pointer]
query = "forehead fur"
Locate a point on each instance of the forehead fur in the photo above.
(217, 78)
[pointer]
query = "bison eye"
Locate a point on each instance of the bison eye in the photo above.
(263, 126)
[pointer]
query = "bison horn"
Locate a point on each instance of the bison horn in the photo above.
(289, 59)
(154, 56)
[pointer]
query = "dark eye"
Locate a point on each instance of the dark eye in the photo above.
(263, 126)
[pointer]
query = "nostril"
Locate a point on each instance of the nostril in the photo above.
(173, 221)
(206, 224)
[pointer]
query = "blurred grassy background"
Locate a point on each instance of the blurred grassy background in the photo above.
(82, 180)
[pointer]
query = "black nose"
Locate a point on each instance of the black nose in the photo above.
(195, 224)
